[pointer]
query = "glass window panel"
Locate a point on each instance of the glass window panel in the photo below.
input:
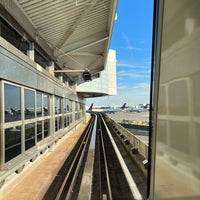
(46, 104)
(11, 35)
(65, 121)
(12, 103)
(29, 104)
(39, 131)
(40, 59)
(12, 142)
(29, 135)
(60, 122)
(65, 105)
(57, 105)
(39, 104)
(46, 127)
(68, 120)
(56, 124)
(70, 106)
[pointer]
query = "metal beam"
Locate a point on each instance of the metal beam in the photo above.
(69, 70)
(78, 21)
(92, 40)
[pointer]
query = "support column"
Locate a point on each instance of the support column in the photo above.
(50, 68)
(2, 121)
(61, 77)
(31, 53)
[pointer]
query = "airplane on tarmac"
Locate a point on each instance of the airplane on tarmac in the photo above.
(139, 108)
(107, 109)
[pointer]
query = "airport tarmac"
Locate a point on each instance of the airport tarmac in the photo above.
(133, 117)
(129, 116)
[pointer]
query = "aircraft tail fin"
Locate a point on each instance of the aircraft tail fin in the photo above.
(90, 108)
(123, 106)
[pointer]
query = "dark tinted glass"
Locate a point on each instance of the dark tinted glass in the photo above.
(12, 142)
(46, 127)
(56, 124)
(10, 35)
(39, 131)
(41, 59)
(29, 135)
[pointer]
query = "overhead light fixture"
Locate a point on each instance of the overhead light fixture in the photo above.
(87, 76)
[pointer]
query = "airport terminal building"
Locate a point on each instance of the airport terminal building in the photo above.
(53, 56)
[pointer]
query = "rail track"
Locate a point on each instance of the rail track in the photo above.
(68, 178)
(112, 175)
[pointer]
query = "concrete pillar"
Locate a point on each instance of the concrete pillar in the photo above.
(61, 77)
(2, 138)
(31, 53)
(50, 68)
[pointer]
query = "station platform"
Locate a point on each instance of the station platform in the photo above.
(33, 182)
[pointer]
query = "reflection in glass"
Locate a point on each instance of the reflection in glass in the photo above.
(29, 104)
(70, 106)
(68, 120)
(46, 127)
(12, 103)
(56, 124)
(29, 135)
(39, 104)
(65, 121)
(65, 104)
(12, 142)
(39, 131)
(46, 104)
(57, 105)
(60, 122)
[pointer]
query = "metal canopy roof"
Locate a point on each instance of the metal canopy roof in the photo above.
(77, 32)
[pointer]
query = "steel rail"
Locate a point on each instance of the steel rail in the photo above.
(105, 163)
(78, 157)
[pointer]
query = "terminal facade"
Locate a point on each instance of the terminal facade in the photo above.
(38, 104)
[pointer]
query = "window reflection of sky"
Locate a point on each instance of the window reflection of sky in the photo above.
(12, 103)
(12, 97)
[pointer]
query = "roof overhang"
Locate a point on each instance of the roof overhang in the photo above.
(76, 33)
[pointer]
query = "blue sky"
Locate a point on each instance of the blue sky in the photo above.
(132, 40)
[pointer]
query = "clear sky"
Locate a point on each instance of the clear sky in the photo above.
(132, 40)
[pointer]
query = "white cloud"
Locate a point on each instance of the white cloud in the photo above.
(133, 74)
(121, 86)
(129, 46)
(127, 65)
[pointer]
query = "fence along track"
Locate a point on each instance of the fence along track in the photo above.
(131, 183)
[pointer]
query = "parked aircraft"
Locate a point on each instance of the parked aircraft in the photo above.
(139, 108)
(107, 109)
